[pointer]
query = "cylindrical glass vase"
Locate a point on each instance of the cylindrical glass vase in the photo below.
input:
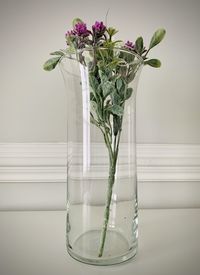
(102, 206)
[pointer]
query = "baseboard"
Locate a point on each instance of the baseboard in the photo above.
(33, 175)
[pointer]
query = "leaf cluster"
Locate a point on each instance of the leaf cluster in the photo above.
(142, 51)
(109, 90)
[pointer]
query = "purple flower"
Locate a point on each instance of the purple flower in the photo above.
(81, 29)
(70, 37)
(129, 45)
(99, 28)
(70, 33)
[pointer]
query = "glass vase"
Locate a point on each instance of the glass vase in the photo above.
(102, 205)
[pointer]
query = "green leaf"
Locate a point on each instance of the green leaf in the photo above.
(93, 105)
(139, 45)
(111, 31)
(92, 97)
(75, 21)
(116, 110)
(119, 83)
(57, 53)
(122, 87)
(116, 124)
(112, 65)
(116, 99)
(126, 56)
(51, 63)
(153, 63)
(131, 76)
(103, 76)
(107, 88)
(106, 115)
(128, 94)
(94, 84)
(93, 121)
(93, 109)
(157, 38)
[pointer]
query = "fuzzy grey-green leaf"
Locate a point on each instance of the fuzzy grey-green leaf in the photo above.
(51, 63)
(119, 83)
(111, 31)
(57, 53)
(116, 110)
(107, 88)
(131, 76)
(93, 82)
(103, 76)
(153, 63)
(93, 108)
(122, 89)
(116, 99)
(116, 124)
(157, 38)
(139, 44)
(129, 92)
(92, 120)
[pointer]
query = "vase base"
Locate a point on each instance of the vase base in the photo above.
(116, 250)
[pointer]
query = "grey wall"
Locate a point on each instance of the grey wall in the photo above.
(32, 102)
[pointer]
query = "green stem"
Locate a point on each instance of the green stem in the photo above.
(111, 180)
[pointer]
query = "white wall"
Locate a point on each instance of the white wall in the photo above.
(32, 101)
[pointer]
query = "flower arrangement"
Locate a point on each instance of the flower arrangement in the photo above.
(109, 74)
(102, 36)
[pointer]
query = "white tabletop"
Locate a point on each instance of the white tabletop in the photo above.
(33, 243)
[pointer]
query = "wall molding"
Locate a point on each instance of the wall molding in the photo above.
(30, 167)
(46, 162)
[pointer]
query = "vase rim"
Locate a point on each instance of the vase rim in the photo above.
(140, 59)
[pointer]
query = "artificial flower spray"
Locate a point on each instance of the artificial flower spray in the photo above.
(101, 76)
